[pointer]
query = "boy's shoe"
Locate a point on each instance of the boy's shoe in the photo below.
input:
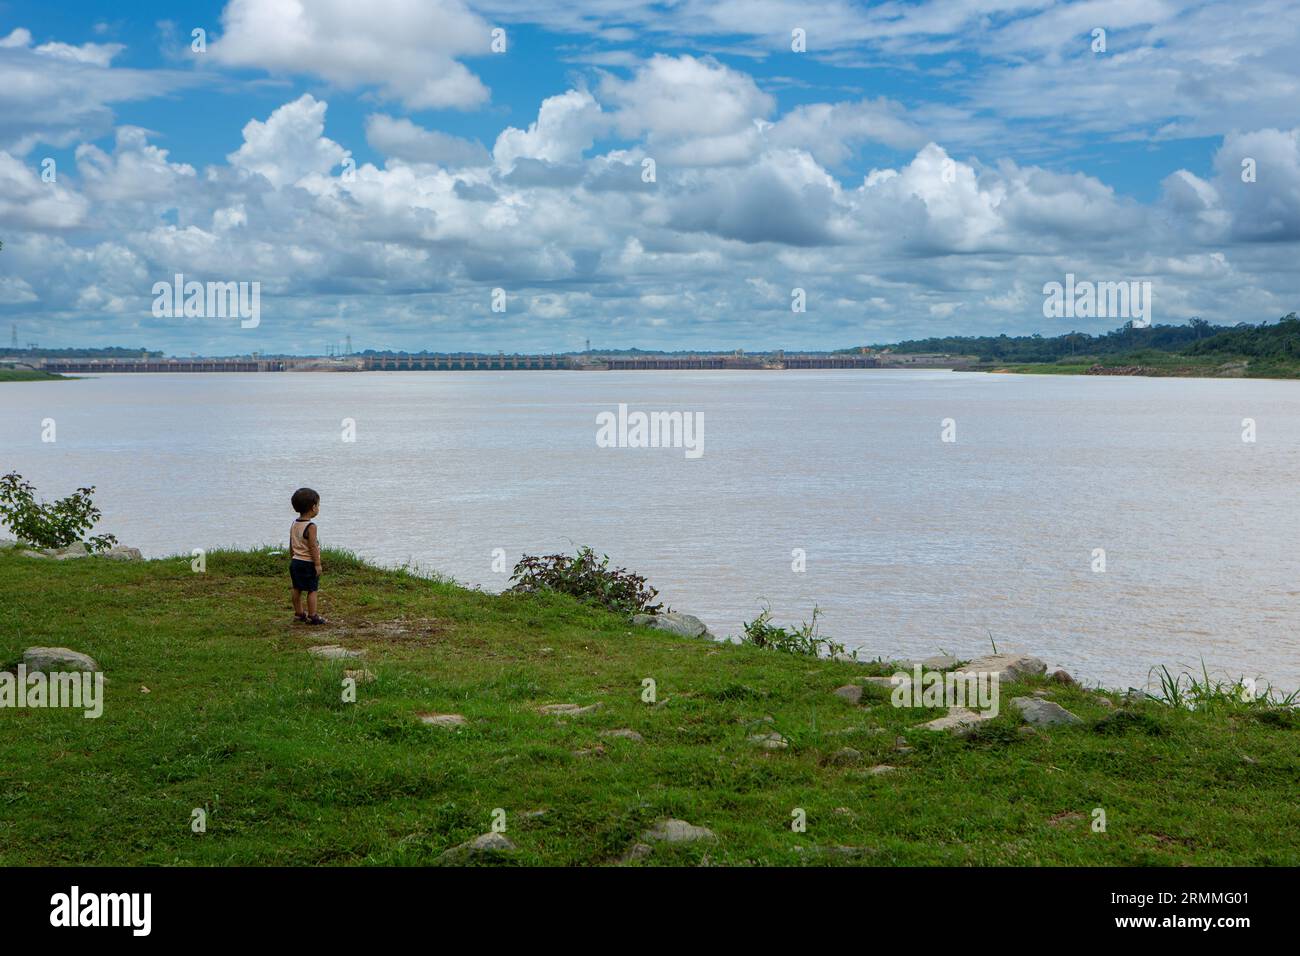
(300, 618)
(316, 619)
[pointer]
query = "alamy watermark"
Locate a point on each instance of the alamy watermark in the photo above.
(77, 690)
(211, 300)
(974, 690)
(1098, 300)
(75, 908)
(651, 430)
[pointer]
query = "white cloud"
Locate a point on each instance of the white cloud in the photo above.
(690, 111)
(27, 201)
(829, 131)
(290, 144)
(406, 48)
(399, 138)
(566, 127)
(59, 94)
(136, 170)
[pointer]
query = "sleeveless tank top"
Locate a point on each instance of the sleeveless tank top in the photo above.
(298, 547)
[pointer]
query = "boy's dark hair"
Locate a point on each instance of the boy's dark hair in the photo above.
(303, 499)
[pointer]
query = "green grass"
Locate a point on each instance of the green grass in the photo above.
(240, 720)
(29, 375)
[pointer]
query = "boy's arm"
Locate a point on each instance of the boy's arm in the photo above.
(313, 544)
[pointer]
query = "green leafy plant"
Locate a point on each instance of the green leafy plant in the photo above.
(804, 639)
(54, 525)
(1189, 692)
(588, 578)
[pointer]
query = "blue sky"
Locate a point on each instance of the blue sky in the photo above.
(921, 168)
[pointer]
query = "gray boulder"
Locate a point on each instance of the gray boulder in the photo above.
(639, 851)
(846, 755)
(486, 847)
(567, 710)
(48, 659)
(939, 662)
(852, 693)
(333, 652)
(1009, 667)
(443, 720)
(683, 625)
(1043, 713)
(677, 831)
(122, 553)
(959, 721)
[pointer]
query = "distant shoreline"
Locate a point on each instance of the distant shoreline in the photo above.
(1240, 368)
(30, 375)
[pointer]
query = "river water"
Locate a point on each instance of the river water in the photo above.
(911, 544)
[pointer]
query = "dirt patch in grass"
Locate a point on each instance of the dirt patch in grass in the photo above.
(421, 631)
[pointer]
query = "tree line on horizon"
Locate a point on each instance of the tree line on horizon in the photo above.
(1279, 340)
(1276, 341)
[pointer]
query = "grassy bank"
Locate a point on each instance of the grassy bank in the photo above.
(1155, 364)
(29, 375)
(239, 719)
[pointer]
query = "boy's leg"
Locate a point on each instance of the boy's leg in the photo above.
(297, 602)
(311, 603)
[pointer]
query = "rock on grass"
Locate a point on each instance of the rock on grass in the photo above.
(484, 848)
(1008, 667)
(443, 720)
(958, 720)
(567, 710)
(683, 625)
(1043, 713)
(46, 659)
(677, 831)
(845, 756)
(849, 692)
(333, 652)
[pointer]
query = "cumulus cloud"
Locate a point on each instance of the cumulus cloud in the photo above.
(27, 201)
(1254, 195)
(137, 170)
(566, 127)
(289, 145)
(406, 48)
(690, 111)
(830, 131)
(750, 199)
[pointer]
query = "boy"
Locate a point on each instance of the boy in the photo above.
(304, 546)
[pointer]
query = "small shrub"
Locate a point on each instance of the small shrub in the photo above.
(54, 525)
(587, 578)
(804, 639)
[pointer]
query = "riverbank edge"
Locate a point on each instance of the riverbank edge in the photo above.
(205, 668)
(1237, 369)
(33, 375)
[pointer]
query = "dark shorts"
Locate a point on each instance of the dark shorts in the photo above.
(304, 576)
